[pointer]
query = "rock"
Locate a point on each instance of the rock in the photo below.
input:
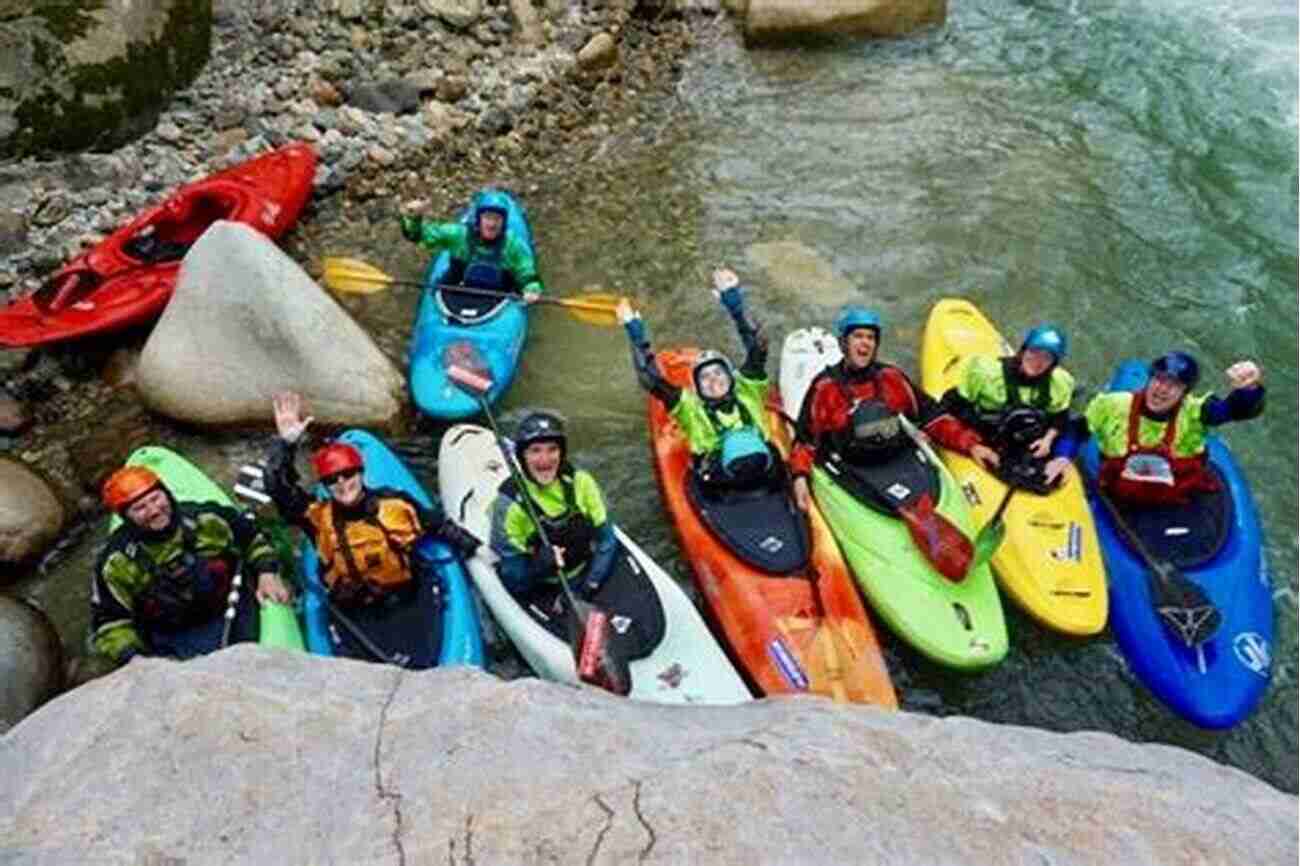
(14, 416)
(31, 660)
(119, 370)
(599, 52)
(454, 765)
(452, 88)
(95, 73)
(461, 14)
(774, 20)
(13, 232)
(528, 23)
(393, 96)
(31, 516)
(120, 425)
(246, 322)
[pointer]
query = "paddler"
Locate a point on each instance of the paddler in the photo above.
(1019, 404)
(1152, 441)
(365, 538)
(723, 417)
(850, 408)
(164, 581)
(569, 502)
(484, 256)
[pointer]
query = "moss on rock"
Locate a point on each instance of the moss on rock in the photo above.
(70, 105)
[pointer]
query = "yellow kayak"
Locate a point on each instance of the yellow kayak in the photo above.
(1050, 561)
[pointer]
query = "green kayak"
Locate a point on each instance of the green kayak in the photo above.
(277, 623)
(959, 625)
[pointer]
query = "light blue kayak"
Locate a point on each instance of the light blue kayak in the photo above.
(461, 639)
(1217, 543)
(495, 336)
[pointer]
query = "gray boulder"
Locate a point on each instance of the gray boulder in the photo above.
(94, 73)
(775, 20)
(31, 660)
(258, 756)
(458, 13)
(246, 322)
(31, 516)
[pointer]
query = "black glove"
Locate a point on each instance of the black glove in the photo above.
(459, 537)
(412, 228)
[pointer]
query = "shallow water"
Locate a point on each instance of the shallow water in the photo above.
(1126, 170)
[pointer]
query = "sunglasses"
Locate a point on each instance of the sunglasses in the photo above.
(331, 480)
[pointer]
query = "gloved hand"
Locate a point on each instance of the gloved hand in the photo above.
(733, 299)
(412, 227)
(459, 537)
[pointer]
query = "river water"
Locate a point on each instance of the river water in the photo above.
(1128, 170)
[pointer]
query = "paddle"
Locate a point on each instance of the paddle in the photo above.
(1180, 603)
(589, 632)
(353, 276)
(991, 534)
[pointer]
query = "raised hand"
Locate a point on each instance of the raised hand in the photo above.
(1243, 374)
(723, 279)
(289, 422)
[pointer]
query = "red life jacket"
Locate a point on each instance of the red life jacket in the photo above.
(1121, 478)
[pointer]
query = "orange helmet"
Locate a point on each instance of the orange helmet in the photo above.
(128, 484)
(334, 458)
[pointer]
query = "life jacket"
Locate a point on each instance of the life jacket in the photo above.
(743, 453)
(189, 590)
(878, 391)
(1031, 416)
(365, 557)
(572, 529)
(1151, 474)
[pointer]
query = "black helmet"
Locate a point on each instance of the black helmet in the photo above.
(540, 427)
(1177, 365)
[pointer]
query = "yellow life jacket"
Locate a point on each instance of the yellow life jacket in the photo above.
(375, 550)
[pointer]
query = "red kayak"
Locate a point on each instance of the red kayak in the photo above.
(129, 276)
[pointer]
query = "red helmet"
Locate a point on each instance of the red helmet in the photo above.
(128, 484)
(334, 458)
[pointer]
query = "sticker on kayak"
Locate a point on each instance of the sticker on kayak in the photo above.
(672, 675)
(787, 665)
(972, 495)
(1252, 651)
(898, 491)
(1073, 550)
(771, 544)
(620, 623)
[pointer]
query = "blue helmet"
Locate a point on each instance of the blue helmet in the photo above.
(853, 317)
(1177, 365)
(1046, 338)
(491, 200)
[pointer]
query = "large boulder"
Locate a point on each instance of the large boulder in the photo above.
(31, 515)
(246, 322)
(31, 660)
(258, 756)
(774, 20)
(78, 74)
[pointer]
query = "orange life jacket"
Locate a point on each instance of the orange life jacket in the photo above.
(364, 555)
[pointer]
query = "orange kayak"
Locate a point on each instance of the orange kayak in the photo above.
(127, 278)
(802, 630)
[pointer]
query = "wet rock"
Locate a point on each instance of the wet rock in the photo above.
(119, 370)
(52, 211)
(325, 93)
(798, 780)
(31, 516)
(461, 14)
(527, 21)
(14, 416)
(120, 426)
(601, 51)
(452, 88)
(13, 232)
(774, 20)
(246, 322)
(31, 660)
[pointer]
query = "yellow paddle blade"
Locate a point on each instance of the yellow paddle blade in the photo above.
(353, 276)
(594, 309)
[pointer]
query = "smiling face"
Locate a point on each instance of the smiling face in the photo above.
(543, 461)
(860, 347)
(1035, 362)
(345, 487)
(714, 381)
(152, 511)
(489, 225)
(1163, 393)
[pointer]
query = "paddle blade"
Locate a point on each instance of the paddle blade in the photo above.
(944, 545)
(468, 379)
(353, 276)
(596, 663)
(598, 309)
(1182, 605)
(987, 542)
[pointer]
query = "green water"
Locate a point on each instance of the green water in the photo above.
(1127, 170)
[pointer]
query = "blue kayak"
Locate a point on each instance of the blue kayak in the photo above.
(451, 327)
(1217, 543)
(454, 624)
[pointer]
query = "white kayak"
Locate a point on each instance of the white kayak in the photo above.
(673, 657)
